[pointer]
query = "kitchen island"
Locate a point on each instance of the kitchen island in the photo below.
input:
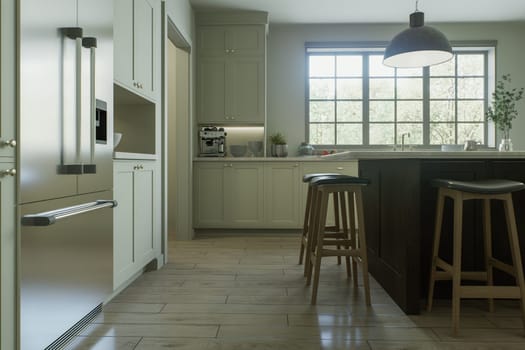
(400, 209)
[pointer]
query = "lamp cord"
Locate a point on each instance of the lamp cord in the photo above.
(417, 2)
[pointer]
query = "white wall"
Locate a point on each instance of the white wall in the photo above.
(286, 65)
(181, 13)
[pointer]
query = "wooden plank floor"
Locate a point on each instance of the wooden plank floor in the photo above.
(247, 292)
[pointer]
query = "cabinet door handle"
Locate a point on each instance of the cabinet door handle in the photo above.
(340, 168)
(295, 165)
(11, 143)
(10, 172)
(232, 50)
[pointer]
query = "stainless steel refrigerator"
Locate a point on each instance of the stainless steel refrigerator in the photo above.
(65, 166)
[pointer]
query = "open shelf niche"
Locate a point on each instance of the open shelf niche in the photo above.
(135, 119)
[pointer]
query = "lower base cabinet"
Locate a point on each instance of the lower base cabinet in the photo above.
(255, 195)
(135, 225)
(282, 195)
(228, 195)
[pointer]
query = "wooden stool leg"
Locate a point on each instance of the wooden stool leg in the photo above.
(487, 237)
(515, 250)
(304, 236)
(456, 265)
(344, 219)
(319, 244)
(337, 214)
(362, 243)
(353, 233)
(435, 247)
(314, 212)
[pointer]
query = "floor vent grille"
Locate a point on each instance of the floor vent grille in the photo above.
(75, 329)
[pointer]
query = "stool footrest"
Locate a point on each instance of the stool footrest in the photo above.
(341, 252)
(465, 275)
(486, 292)
(337, 242)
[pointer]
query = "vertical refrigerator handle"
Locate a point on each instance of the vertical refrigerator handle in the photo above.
(78, 167)
(91, 44)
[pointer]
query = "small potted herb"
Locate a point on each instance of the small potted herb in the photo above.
(279, 147)
(503, 110)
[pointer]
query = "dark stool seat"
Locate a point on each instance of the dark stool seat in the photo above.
(480, 186)
(339, 180)
(485, 191)
(351, 244)
(309, 177)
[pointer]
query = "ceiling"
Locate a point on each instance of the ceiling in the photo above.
(374, 11)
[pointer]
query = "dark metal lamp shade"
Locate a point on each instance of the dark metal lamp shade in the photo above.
(417, 46)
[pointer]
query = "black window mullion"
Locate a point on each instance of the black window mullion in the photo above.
(426, 106)
(366, 100)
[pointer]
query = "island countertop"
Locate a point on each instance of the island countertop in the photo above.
(377, 154)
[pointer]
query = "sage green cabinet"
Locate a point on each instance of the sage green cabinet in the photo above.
(136, 46)
(256, 195)
(282, 195)
(231, 74)
(8, 261)
(135, 225)
(223, 40)
(228, 194)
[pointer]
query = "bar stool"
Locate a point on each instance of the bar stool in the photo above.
(354, 243)
(485, 190)
(336, 228)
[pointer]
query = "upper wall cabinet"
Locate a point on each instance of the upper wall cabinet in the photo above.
(231, 68)
(226, 40)
(136, 37)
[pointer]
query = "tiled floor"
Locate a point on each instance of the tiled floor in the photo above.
(247, 292)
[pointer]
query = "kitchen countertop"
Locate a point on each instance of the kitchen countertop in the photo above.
(376, 154)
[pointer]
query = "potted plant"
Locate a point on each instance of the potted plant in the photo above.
(279, 147)
(503, 110)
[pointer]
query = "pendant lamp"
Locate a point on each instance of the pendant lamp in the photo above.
(417, 46)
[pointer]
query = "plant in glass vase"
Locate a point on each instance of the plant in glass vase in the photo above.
(503, 110)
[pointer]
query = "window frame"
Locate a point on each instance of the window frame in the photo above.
(486, 48)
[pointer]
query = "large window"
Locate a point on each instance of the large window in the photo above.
(353, 99)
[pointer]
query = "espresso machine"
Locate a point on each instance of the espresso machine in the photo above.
(212, 141)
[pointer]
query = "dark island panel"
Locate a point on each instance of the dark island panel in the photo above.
(400, 214)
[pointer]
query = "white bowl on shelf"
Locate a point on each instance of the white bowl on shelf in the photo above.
(117, 137)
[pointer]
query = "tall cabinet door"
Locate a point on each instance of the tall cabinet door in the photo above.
(143, 34)
(8, 263)
(123, 250)
(246, 94)
(123, 45)
(282, 194)
(211, 99)
(209, 194)
(244, 196)
(46, 102)
(143, 188)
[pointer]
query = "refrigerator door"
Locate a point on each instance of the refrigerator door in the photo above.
(95, 17)
(47, 99)
(66, 268)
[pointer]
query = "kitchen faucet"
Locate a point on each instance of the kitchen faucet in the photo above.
(403, 140)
